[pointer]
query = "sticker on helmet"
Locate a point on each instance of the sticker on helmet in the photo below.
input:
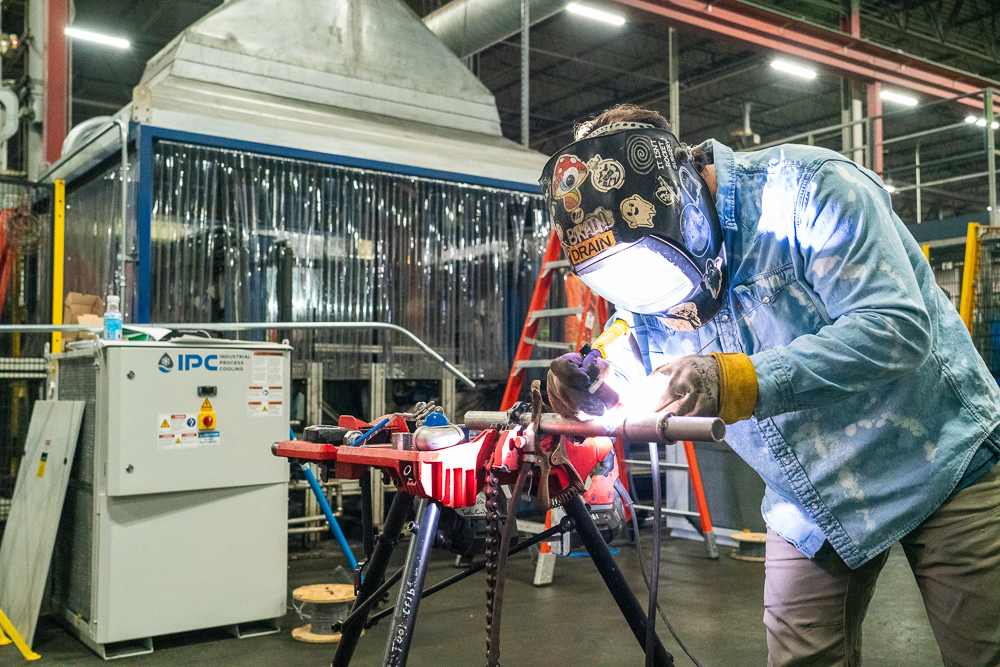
(639, 152)
(570, 174)
(667, 192)
(683, 317)
(712, 280)
(606, 174)
(637, 212)
(696, 230)
(691, 186)
(594, 224)
(590, 247)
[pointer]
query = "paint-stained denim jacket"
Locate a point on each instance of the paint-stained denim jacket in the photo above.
(872, 399)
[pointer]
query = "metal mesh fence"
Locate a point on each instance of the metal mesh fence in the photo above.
(986, 313)
(25, 241)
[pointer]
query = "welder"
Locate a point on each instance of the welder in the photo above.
(778, 290)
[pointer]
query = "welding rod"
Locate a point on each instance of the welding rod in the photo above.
(648, 427)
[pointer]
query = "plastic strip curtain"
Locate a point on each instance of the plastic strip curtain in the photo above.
(444, 260)
(93, 237)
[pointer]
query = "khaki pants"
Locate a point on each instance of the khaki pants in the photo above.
(813, 608)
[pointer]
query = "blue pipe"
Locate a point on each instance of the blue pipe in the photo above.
(332, 520)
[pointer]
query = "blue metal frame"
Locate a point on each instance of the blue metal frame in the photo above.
(143, 137)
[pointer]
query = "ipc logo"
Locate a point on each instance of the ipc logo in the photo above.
(166, 363)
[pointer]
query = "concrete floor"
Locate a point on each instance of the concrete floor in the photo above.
(715, 606)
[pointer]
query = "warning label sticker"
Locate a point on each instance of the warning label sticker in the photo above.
(265, 400)
(268, 367)
(180, 431)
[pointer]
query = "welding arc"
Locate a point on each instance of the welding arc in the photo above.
(620, 487)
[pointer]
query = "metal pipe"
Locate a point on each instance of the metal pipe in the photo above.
(673, 70)
(525, 71)
(649, 427)
(310, 519)
(916, 173)
(952, 179)
(328, 513)
(467, 27)
(123, 254)
(251, 326)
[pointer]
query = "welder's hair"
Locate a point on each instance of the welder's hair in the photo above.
(631, 113)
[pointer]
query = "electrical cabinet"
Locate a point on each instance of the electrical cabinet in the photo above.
(176, 514)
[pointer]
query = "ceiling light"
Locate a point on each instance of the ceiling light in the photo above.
(970, 119)
(791, 68)
(981, 122)
(890, 188)
(995, 125)
(97, 38)
(898, 99)
(597, 14)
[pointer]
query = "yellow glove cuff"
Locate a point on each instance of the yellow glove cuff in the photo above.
(737, 387)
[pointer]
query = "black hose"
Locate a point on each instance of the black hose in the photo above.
(654, 583)
(642, 568)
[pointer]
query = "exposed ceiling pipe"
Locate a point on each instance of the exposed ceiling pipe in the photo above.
(469, 26)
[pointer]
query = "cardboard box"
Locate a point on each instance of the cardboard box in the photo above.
(87, 306)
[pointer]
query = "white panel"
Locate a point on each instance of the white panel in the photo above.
(175, 562)
(34, 514)
(144, 456)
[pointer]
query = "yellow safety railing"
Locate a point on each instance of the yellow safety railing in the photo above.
(970, 275)
(58, 259)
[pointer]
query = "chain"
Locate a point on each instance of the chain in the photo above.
(492, 548)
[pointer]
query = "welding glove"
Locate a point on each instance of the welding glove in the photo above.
(717, 385)
(576, 384)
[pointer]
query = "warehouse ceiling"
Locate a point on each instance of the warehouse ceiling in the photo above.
(579, 67)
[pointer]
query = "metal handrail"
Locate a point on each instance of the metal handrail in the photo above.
(253, 326)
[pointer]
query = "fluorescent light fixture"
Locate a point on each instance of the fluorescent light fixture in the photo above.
(981, 122)
(898, 99)
(970, 119)
(890, 188)
(791, 68)
(596, 14)
(98, 38)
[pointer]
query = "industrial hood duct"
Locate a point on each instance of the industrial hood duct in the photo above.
(469, 26)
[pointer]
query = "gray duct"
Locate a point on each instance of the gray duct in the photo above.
(469, 26)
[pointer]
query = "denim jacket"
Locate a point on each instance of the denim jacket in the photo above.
(872, 399)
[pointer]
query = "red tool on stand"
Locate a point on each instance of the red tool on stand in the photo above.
(445, 470)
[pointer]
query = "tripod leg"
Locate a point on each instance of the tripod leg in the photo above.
(612, 575)
(374, 574)
(417, 558)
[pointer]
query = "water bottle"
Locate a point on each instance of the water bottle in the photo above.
(112, 320)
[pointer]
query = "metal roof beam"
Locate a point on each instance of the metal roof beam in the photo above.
(849, 55)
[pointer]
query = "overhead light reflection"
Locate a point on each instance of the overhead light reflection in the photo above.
(792, 68)
(596, 14)
(98, 38)
(898, 98)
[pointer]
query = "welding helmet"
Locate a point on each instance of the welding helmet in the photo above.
(638, 224)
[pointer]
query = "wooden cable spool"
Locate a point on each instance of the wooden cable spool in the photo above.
(750, 546)
(325, 604)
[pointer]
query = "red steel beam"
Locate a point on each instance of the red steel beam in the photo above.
(845, 53)
(56, 122)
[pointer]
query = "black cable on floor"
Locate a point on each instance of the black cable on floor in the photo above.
(654, 566)
(642, 568)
